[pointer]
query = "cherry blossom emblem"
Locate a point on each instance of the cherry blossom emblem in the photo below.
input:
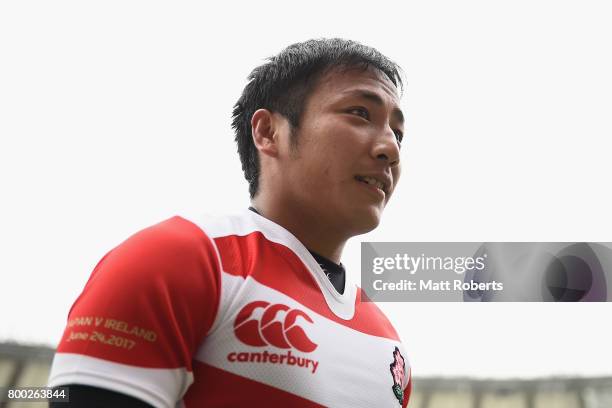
(398, 369)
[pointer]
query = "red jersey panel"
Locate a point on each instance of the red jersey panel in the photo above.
(224, 312)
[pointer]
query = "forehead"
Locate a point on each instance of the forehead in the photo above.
(340, 82)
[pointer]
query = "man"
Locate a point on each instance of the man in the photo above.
(255, 309)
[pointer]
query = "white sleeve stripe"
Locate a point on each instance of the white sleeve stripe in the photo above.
(142, 383)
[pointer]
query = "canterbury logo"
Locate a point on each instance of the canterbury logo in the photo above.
(270, 331)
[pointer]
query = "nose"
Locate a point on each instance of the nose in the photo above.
(386, 148)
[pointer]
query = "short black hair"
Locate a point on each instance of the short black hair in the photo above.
(285, 81)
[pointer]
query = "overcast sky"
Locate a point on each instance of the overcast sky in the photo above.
(115, 115)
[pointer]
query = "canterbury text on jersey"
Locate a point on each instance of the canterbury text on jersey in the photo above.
(228, 311)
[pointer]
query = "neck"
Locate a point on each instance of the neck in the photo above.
(315, 233)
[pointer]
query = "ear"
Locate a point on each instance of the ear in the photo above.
(264, 128)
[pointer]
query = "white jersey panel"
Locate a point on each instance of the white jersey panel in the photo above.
(342, 305)
(338, 358)
(156, 386)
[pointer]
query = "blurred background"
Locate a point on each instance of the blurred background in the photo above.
(27, 366)
(115, 116)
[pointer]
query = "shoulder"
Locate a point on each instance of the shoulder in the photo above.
(172, 256)
(373, 319)
(175, 235)
(165, 246)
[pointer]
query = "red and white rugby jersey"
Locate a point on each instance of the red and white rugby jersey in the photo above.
(228, 312)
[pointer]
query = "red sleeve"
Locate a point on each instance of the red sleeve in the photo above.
(149, 303)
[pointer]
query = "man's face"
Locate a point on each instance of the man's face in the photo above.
(346, 164)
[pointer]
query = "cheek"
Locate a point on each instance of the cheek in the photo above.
(334, 161)
(327, 158)
(397, 172)
(319, 172)
(331, 150)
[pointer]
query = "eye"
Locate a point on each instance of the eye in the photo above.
(399, 135)
(360, 111)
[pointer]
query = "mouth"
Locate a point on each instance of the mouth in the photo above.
(374, 182)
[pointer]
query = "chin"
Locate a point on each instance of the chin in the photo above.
(366, 221)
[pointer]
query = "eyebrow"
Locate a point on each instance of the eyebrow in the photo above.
(374, 97)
